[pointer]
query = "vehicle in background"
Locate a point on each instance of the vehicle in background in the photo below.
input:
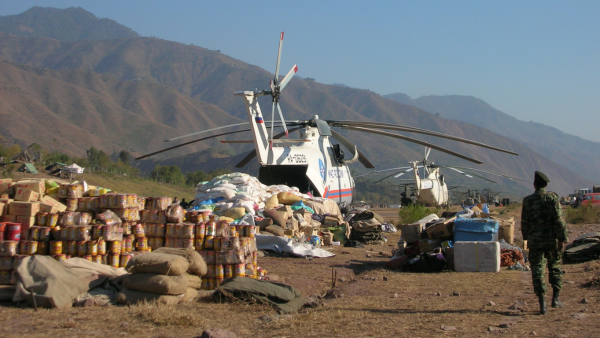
(591, 199)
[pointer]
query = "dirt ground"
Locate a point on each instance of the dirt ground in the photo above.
(372, 302)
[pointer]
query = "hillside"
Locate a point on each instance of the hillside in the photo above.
(70, 24)
(136, 92)
(73, 110)
(574, 153)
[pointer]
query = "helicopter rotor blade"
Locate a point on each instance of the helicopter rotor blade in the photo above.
(278, 58)
(468, 174)
(346, 124)
(385, 178)
(350, 146)
(427, 151)
(424, 143)
(485, 171)
(205, 131)
(282, 120)
(288, 77)
(272, 121)
(190, 142)
(252, 154)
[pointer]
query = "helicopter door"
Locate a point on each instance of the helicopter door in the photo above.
(290, 175)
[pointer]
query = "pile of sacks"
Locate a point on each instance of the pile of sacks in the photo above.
(167, 275)
(277, 209)
(240, 191)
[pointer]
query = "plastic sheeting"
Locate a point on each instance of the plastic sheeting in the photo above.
(288, 245)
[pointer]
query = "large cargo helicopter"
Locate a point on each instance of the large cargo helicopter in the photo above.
(310, 162)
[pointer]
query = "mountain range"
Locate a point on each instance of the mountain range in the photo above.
(131, 93)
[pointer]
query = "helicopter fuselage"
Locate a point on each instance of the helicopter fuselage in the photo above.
(431, 191)
(308, 163)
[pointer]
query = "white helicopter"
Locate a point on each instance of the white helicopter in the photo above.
(430, 186)
(311, 162)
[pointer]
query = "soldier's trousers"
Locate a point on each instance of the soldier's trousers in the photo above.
(538, 258)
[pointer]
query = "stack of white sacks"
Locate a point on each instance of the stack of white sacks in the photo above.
(237, 190)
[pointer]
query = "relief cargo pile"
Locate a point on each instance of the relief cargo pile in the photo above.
(467, 241)
(42, 217)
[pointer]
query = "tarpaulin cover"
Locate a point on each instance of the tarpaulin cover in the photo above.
(475, 225)
(475, 229)
(282, 297)
(53, 284)
(288, 245)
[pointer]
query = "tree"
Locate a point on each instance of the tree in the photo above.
(98, 158)
(125, 157)
(170, 174)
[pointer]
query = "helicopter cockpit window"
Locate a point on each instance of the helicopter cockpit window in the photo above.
(338, 152)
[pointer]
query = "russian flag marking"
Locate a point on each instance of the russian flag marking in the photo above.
(259, 120)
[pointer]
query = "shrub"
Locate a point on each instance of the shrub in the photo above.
(412, 213)
(585, 214)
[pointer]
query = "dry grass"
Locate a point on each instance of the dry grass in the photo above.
(166, 315)
(123, 184)
(399, 305)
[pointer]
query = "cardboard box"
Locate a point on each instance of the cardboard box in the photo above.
(412, 232)
(51, 201)
(287, 209)
(2, 205)
(8, 218)
(7, 188)
(48, 208)
(24, 208)
(310, 231)
(331, 221)
(290, 233)
(26, 194)
(441, 230)
(477, 256)
(291, 224)
(427, 245)
(26, 220)
(37, 186)
(506, 229)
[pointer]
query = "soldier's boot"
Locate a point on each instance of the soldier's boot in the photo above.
(543, 307)
(556, 303)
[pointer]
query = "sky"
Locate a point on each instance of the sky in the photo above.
(534, 60)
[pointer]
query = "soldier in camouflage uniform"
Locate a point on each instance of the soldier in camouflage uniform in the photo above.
(542, 226)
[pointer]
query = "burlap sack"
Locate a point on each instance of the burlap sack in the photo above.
(159, 284)
(272, 202)
(194, 282)
(197, 266)
(288, 198)
(190, 294)
(278, 217)
(275, 230)
(132, 297)
(159, 263)
(262, 225)
(235, 213)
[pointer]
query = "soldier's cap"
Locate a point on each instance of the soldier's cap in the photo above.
(540, 177)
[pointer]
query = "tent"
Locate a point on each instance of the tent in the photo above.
(74, 168)
(28, 168)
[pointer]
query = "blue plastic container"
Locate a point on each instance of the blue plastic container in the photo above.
(475, 230)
